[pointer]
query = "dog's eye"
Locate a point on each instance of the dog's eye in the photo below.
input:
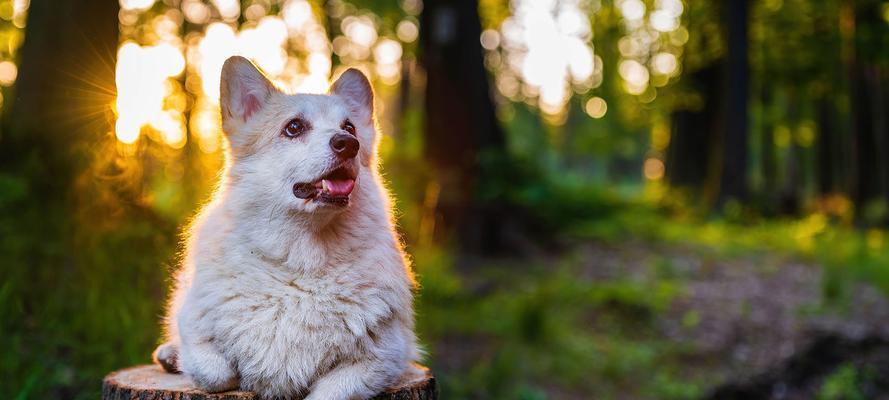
(296, 127)
(348, 127)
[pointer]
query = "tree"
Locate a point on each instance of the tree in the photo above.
(733, 182)
(460, 126)
(64, 90)
(870, 128)
(693, 129)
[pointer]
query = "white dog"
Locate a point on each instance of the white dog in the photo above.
(293, 281)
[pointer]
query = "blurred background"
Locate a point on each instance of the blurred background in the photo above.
(629, 199)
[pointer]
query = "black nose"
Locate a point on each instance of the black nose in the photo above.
(344, 145)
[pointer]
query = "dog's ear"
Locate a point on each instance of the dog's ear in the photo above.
(353, 87)
(243, 90)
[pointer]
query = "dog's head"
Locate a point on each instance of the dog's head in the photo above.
(303, 152)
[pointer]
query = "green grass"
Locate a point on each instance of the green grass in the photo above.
(544, 331)
(847, 254)
(531, 329)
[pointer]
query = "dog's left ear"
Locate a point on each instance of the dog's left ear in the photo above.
(353, 87)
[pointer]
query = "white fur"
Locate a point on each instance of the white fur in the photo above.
(284, 296)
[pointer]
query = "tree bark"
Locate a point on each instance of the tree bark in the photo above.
(868, 114)
(827, 147)
(151, 382)
(693, 130)
(460, 123)
(733, 183)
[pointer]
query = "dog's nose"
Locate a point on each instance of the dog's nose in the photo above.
(344, 145)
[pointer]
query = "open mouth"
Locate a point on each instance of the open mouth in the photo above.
(333, 187)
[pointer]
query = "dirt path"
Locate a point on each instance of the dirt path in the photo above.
(750, 314)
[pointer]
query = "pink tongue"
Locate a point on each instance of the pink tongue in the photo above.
(341, 188)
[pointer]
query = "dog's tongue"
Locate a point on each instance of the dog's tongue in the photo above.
(340, 187)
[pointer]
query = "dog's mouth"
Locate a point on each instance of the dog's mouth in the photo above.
(333, 187)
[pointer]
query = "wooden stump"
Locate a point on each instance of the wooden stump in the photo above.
(150, 382)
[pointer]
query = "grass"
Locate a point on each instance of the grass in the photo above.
(848, 254)
(532, 329)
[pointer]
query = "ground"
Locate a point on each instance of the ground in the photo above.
(642, 319)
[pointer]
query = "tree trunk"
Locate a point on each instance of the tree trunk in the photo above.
(461, 128)
(868, 115)
(790, 193)
(827, 146)
(151, 382)
(733, 183)
(692, 132)
(64, 91)
(768, 158)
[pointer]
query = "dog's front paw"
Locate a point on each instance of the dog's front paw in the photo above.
(208, 369)
(215, 381)
(167, 355)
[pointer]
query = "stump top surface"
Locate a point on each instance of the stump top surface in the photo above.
(151, 382)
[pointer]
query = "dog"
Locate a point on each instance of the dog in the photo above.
(293, 282)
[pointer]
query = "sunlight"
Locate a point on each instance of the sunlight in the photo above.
(490, 39)
(360, 30)
(228, 9)
(664, 63)
(136, 5)
(148, 97)
(19, 12)
(215, 47)
(141, 76)
(387, 55)
(196, 11)
(407, 31)
(548, 44)
(596, 107)
(297, 13)
(205, 124)
(653, 169)
(265, 45)
(654, 46)
(8, 73)
(632, 10)
(635, 76)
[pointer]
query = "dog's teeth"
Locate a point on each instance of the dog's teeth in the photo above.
(325, 186)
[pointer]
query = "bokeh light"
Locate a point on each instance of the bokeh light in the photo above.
(653, 169)
(142, 75)
(8, 73)
(547, 44)
(136, 5)
(596, 107)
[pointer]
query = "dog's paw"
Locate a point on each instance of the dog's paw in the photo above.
(208, 369)
(215, 381)
(167, 355)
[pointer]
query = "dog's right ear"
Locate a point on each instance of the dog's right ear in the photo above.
(243, 91)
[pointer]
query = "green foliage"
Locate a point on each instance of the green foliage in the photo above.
(69, 317)
(847, 254)
(845, 383)
(530, 329)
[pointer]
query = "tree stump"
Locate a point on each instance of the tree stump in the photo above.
(150, 382)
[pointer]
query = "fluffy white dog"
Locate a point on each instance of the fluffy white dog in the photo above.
(293, 281)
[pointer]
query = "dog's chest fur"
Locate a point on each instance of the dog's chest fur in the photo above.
(302, 325)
